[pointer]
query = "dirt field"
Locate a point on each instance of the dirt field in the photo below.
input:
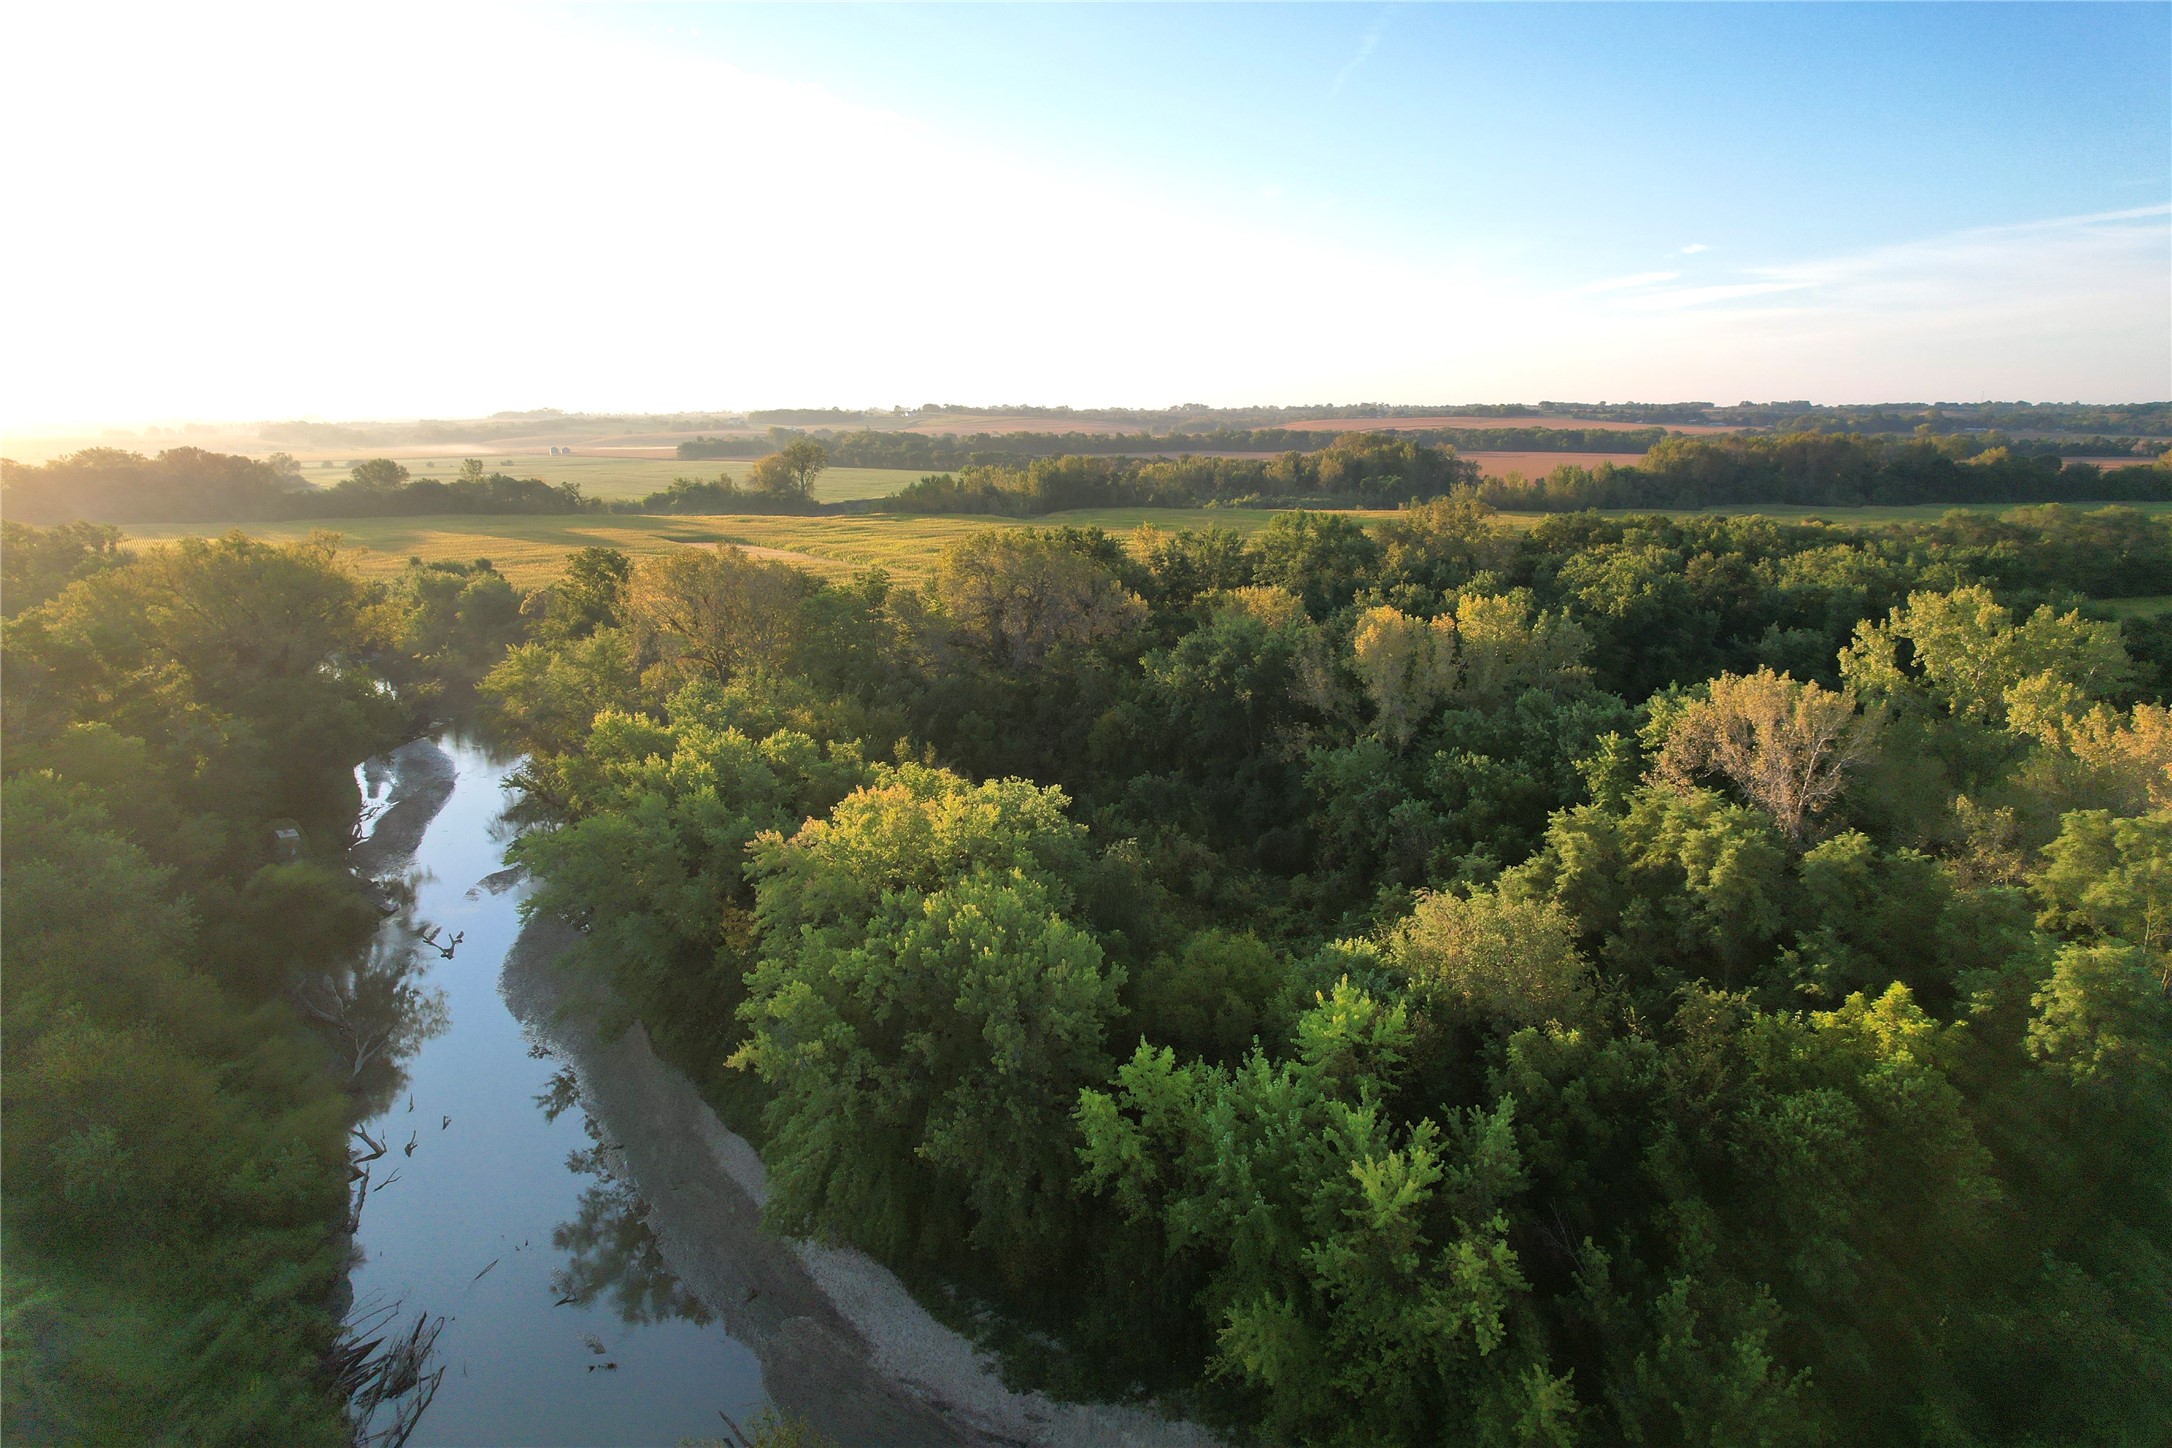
(1539, 464)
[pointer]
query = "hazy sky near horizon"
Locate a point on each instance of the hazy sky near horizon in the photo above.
(301, 211)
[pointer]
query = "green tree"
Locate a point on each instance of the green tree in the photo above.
(1493, 959)
(790, 472)
(377, 475)
(246, 661)
(1358, 1271)
(590, 594)
(1971, 659)
(925, 1012)
(2110, 877)
(710, 613)
(37, 563)
(543, 696)
(1216, 999)
(1323, 558)
(1016, 594)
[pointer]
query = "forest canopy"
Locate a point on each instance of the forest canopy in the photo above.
(1625, 980)
(192, 1018)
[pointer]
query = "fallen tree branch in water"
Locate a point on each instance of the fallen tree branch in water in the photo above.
(376, 1373)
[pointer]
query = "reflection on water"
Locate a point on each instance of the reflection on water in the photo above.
(543, 1276)
(375, 1010)
(610, 1254)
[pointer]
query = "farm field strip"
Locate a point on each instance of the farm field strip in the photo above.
(626, 476)
(530, 550)
(1539, 464)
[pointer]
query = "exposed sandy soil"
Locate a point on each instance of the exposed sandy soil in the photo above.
(421, 776)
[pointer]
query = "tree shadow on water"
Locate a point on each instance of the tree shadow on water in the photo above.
(611, 1256)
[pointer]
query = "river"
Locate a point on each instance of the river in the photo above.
(587, 1228)
(506, 1205)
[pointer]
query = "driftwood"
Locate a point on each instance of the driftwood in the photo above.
(358, 1176)
(377, 1372)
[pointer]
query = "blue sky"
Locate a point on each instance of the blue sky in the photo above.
(295, 211)
(1745, 126)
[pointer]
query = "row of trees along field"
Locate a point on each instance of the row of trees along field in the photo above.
(2140, 419)
(1351, 469)
(1383, 469)
(871, 449)
(184, 485)
(191, 1018)
(868, 448)
(1631, 980)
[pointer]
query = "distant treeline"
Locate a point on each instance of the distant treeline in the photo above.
(2125, 420)
(2142, 419)
(1382, 469)
(720, 494)
(1360, 469)
(870, 449)
(189, 485)
(722, 447)
(1821, 470)
(1355, 469)
(867, 448)
(2102, 427)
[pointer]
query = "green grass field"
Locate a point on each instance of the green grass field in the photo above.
(2151, 606)
(530, 550)
(621, 477)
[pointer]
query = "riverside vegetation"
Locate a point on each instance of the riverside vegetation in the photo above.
(1625, 980)
(188, 1027)
(1632, 980)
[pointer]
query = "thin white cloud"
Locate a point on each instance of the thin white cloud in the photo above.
(2060, 307)
(1641, 279)
(1367, 44)
(1693, 248)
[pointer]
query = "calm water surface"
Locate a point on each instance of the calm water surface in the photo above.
(506, 1206)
